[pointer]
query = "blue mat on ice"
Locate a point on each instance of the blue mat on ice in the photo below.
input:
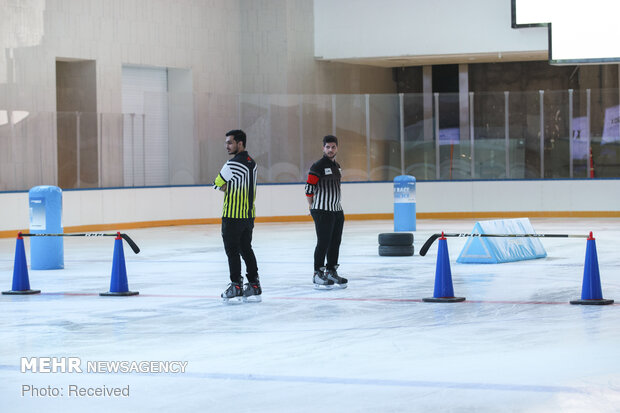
(483, 250)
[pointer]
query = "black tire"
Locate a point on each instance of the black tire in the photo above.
(395, 250)
(396, 238)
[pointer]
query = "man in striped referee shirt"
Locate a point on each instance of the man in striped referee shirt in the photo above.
(238, 180)
(323, 195)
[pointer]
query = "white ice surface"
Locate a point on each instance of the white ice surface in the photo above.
(515, 345)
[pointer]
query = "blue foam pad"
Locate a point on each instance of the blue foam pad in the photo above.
(491, 250)
(46, 253)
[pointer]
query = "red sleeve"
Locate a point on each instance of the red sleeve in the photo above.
(313, 179)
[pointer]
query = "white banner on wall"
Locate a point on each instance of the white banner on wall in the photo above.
(580, 138)
(611, 127)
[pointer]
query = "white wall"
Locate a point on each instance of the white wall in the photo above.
(214, 49)
(367, 28)
(117, 206)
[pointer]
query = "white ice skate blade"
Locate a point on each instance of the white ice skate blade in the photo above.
(341, 286)
(252, 299)
(233, 300)
(323, 287)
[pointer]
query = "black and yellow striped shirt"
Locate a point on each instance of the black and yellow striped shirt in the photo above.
(239, 175)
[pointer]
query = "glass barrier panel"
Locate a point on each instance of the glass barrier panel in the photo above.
(7, 160)
(316, 122)
(110, 149)
(454, 155)
(153, 149)
(255, 113)
(605, 133)
(67, 144)
(384, 137)
(350, 116)
(285, 137)
(524, 127)
(88, 147)
(132, 150)
(575, 133)
(581, 134)
(419, 146)
(556, 132)
(490, 143)
(215, 115)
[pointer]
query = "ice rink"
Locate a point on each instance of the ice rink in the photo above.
(515, 344)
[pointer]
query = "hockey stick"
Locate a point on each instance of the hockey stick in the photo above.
(433, 237)
(132, 244)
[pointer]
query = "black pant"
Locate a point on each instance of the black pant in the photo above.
(328, 225)
(237, 236)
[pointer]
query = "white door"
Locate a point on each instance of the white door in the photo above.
(145, 126)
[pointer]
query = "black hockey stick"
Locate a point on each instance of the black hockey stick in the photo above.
(433, 237)
(132, 244)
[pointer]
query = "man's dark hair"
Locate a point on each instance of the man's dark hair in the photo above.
(238, 135)
(330, 139)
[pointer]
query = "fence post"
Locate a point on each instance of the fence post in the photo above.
(542, 134)
(507, 132)
(436, 114)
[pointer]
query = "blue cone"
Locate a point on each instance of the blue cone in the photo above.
(118, 281)
(444, 293)
(21, 284)
(591, 292)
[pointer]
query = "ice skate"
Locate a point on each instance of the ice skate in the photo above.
(252, 293)
(321, 282)
(233, 294)
(333, 276)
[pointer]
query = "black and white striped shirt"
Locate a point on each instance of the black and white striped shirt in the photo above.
(324, 184)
